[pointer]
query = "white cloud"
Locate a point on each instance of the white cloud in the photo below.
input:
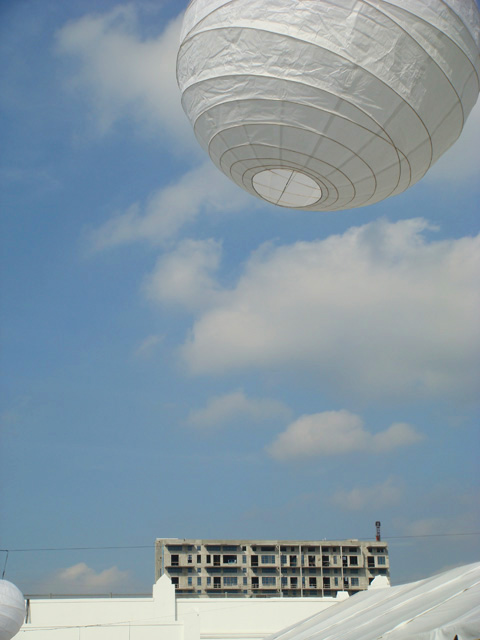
(378, 311)
(80, 578)
(399, 434)
(378, 496)
(184, 276)
(221, 410)
(124, 75)
(336, 433)
(462, 161)
(203, 189)
(148, 346)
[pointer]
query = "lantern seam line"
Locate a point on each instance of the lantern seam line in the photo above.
(330, 191)
(324, 189)
(420, 19)
(427, 53)
(353, 64)
(323, 136)
(389, 139)
(187, 35)
(321, 183)
(307, 156)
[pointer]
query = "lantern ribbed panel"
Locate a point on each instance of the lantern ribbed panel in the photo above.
(12, 610)
(328, 104)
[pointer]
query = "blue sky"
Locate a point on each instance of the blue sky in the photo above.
(179, 359)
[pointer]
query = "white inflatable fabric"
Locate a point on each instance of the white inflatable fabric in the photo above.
(444, 607)
(12, 610)
(328, 104)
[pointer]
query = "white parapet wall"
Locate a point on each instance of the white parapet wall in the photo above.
(249, 618)
(164, 616)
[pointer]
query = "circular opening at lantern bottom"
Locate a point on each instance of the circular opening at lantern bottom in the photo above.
(287, 188)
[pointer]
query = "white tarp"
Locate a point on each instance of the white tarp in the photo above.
(328, 104)
(438, 608)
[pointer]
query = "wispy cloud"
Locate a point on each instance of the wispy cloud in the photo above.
(80, 578)
(377, 496)
(224, 409)
(203, 189)
(148, 346)
(336, 433)
(120, 74)
(186, 276)
(377, 311)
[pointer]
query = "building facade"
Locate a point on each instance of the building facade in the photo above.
(253, 568)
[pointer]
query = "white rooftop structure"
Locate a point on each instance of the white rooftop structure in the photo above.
(444, 607)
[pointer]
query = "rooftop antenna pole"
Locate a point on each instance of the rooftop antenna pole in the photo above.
(378, 524)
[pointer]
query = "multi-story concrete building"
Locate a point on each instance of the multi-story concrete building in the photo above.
(270, 567)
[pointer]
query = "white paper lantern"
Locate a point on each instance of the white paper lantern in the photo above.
(12, 610)
(328, 104)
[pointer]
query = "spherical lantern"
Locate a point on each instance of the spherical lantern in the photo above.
(12, 610)
(328, 104)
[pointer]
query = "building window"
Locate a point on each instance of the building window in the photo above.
(229, 559)
(209, 559)
(268, 559)
(199, 582)
(381, 559)
(335, 581)
(189, 581)
(244, 559)
(269, 581)
(245, 582)
(189, 558)
(199, 559)
(230, 581)
(354, 582)
(209, 580)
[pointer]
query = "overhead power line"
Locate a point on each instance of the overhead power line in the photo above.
(145, 546)
(150, 546)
